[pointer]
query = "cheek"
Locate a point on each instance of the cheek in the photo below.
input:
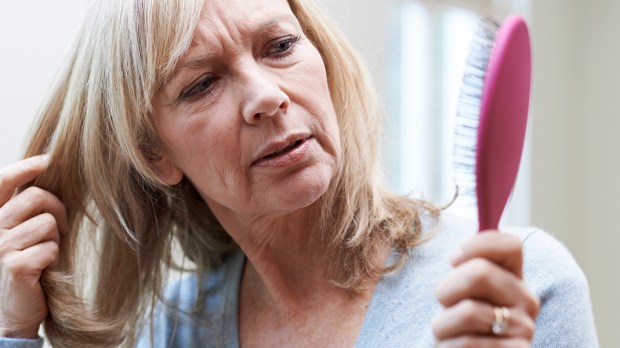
(325, 114)
(211, 150)
(204, 148)
(217, 171)
(313, 77)
(311, 91)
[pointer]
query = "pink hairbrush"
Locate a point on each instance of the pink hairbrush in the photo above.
(503, 90)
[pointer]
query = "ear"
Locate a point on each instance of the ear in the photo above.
(166, 170)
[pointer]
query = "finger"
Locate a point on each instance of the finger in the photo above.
(28, 264)
(503, 249)
(19, 174)
(483, 280)
(483, 342)
(36, 230)
(43, 255)
(29, 203)
(471, 317)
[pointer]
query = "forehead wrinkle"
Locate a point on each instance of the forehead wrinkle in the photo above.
(234, 34)
(214, 33)
(246, 21)
(226, 25)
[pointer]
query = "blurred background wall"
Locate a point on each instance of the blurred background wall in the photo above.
(572, 184)
(576, 142)
(34, 39)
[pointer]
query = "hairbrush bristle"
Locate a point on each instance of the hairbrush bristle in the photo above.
(468, 112)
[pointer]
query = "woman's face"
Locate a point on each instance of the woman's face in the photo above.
(247, 116)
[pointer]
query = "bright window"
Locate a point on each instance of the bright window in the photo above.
(433, 42)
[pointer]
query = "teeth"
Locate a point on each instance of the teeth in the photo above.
(284, 150)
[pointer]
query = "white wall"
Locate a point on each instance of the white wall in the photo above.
(34, 37)
(576, 141)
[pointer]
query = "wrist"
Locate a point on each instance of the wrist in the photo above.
(28, 333)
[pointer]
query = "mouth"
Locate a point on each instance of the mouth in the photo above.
(275, 152)
(289, 148)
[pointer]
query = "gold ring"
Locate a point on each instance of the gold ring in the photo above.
(500, 325)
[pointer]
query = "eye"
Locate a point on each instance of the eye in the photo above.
(283, 47)
(203, 85)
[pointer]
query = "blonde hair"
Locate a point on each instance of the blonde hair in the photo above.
(97, 128)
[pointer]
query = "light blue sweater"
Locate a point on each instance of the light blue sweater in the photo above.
(402, 305)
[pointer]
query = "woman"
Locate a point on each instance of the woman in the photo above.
(247, 131)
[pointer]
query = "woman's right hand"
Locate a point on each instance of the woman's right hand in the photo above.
(30, 222)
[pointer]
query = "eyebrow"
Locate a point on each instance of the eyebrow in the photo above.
(205, 58)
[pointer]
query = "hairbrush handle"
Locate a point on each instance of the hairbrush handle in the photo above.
(503, 120)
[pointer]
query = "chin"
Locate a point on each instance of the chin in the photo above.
(304, 190)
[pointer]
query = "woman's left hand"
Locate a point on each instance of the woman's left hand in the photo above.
(487, 303)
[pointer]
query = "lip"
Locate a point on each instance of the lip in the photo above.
(276, 154)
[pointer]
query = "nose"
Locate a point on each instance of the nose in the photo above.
(264, 97)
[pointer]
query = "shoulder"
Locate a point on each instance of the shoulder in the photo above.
(565, 318)
(209, 289)
(406, 298)
(550, 269)
(404, 302)
(552, 274)
(196, 309)
(548, 264)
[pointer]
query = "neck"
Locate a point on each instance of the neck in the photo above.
(284, 292)
(287, 259)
